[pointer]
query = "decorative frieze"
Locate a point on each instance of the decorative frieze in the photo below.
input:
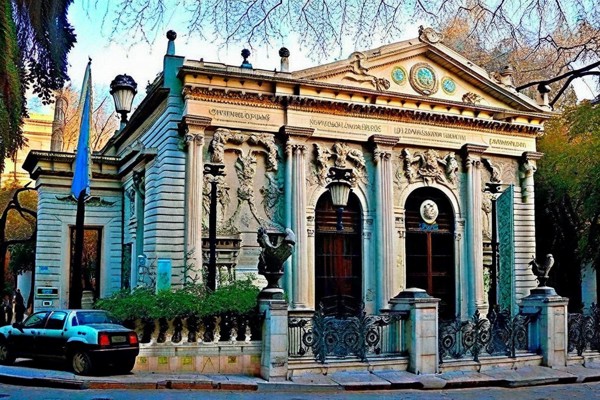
(339, 156)
(429, 167)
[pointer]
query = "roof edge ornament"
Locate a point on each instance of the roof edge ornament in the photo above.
(429, 35)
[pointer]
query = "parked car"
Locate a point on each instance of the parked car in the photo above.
(90, 340)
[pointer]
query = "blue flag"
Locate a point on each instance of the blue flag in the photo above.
(83, 164)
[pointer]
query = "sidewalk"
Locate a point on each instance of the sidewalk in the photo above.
(526, 376)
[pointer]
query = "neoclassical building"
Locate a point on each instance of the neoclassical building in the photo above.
(378, 163)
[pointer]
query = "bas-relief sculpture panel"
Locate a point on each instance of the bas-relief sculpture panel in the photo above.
(250, 193)
(427, 166)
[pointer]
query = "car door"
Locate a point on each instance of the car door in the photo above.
(51, 340)
(24, 338)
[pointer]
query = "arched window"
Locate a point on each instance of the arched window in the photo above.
(338, 256)
(430, 246)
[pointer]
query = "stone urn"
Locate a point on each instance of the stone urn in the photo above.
(276, 249)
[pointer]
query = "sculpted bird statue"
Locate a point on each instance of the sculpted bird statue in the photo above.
(542, 271)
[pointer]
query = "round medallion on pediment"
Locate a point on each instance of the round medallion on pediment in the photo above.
(399, 75)
(423, 79)
(448, 85)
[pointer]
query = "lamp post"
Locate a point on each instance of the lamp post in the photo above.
(341, 181)
(214, 171)
(123, 89)
(494, 188)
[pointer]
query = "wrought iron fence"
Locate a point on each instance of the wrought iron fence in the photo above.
(500, 334)
(361, 335)
(584, 331)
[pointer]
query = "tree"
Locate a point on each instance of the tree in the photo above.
(35, 38)
(569, 28)
(104, 122)
(568, 195)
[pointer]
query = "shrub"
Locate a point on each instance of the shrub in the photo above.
(238, 297)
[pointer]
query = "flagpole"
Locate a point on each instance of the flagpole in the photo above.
(76, 285)
(80, 187)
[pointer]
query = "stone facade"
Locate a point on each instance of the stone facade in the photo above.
(418, 130)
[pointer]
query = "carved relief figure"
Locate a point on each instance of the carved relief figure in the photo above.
(359, 73)
(495, 170)
(486, 207)
(426, 165)
(343, 156)
(268, 142)
(471, 98)
(245, 168)
(272, 193)
(223, 201)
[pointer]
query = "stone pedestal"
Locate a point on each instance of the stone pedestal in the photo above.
(548, 332)
(274, 358)
(420, 330)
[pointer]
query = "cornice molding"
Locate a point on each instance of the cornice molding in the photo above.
(289, 131)
(374, 111)
(383, 140)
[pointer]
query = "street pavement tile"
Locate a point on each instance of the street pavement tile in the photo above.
(360, 380)
(584, 374)
(400, 379)
(529, 376)
(468, 379)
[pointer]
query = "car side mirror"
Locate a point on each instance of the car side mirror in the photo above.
(18, 325)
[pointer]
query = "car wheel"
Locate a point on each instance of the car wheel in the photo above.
(125, 366)
(81, 363)
(6, 356)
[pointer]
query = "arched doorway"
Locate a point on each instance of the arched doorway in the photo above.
(430, 246)
(338, 256)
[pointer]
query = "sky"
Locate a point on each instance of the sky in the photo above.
(143, 61)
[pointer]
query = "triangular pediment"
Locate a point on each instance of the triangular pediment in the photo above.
(424, 68)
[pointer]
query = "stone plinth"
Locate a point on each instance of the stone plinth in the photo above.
(274, 360)
(420, 330)
(548, 332)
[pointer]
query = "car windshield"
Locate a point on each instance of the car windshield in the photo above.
(95, 317)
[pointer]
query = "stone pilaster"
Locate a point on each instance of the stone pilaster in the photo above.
(527, 169)
(295, 191)
(474, 229)
(420, 330)
(389, 282)
(274, 354)
(548, 332)
(301, 273)
(193, 130)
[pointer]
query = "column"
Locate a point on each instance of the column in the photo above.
(300, 280)
(193, 129)
(548, 331)
(475, 294)
(298, 273)
(388, 281)
(420, 330)
(274, 354)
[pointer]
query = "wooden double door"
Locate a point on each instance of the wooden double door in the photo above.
(430, 263)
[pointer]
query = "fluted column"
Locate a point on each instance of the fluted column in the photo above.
(298, 277)
(300, 280)
(388, 281)
(193, 129)
(474, 229)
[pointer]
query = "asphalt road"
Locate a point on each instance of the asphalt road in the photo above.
(587, 391)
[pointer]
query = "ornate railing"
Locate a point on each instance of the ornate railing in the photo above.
(211, 329)
(584, 331)
(362, 335)
(500, 334)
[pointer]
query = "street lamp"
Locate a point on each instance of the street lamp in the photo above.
(340, 186)
(494, 188)
(123, 90)
(214, 171)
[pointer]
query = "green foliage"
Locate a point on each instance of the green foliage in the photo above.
(239, 297)
(568, 195)
(22, 257)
